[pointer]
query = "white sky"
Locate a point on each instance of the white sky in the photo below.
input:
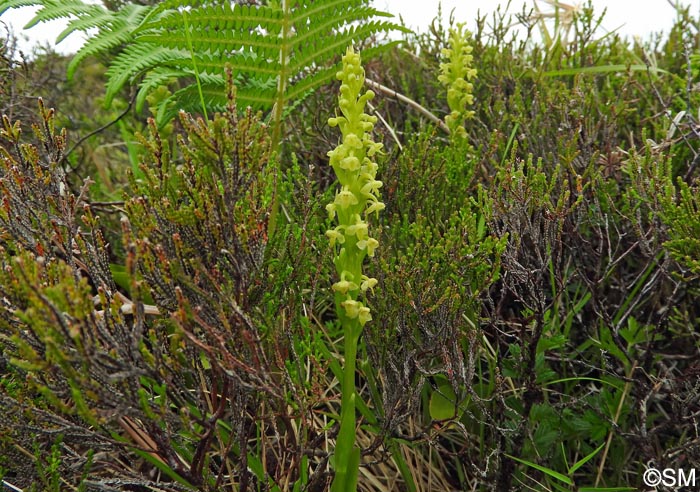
(631, 17)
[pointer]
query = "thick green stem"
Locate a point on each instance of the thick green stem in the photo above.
(347, 455)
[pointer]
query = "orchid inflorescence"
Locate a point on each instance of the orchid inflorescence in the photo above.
(359, 195)
(457, 72)
(356, 199)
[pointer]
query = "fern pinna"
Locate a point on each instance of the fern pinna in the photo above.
(279, 51)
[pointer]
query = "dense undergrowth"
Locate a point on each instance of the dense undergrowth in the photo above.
(166, 314)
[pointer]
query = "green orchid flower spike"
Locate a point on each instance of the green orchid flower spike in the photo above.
(456, 74)
(357, 199)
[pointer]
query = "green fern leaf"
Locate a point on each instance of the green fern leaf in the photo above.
(15, 4)
(240, 62)
(318, 27)
(100, 20)
(118, 34)
(158, 77)
(257, 96)
(221, 18)
(278, 54)
(54, 9)
(331, 45)
(135, 60)
(206, 37)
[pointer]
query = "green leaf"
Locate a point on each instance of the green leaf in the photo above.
(585, 459)
(165, 469)
(443, 404)
(584, 378)
(548, 471)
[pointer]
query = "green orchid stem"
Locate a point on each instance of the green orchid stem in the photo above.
(356, 200)
(347, 455)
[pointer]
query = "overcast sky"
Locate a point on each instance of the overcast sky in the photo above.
(631, 17)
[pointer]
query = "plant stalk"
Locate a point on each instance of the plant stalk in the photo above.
(347, 455)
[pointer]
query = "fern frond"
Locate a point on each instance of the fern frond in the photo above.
(335, 9)
(6, 5)
(137, 59)
(328, 47)
(188, 100)
(99, 20)
(249, 38)
(57, 9)
(226, 17)
(278, 55)
(256, 95)
(217, 30)
(214, 42)
(306, 85)
(177, 4)
(156, 78)
(118, 33)
(319, 26)
(246, 62)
